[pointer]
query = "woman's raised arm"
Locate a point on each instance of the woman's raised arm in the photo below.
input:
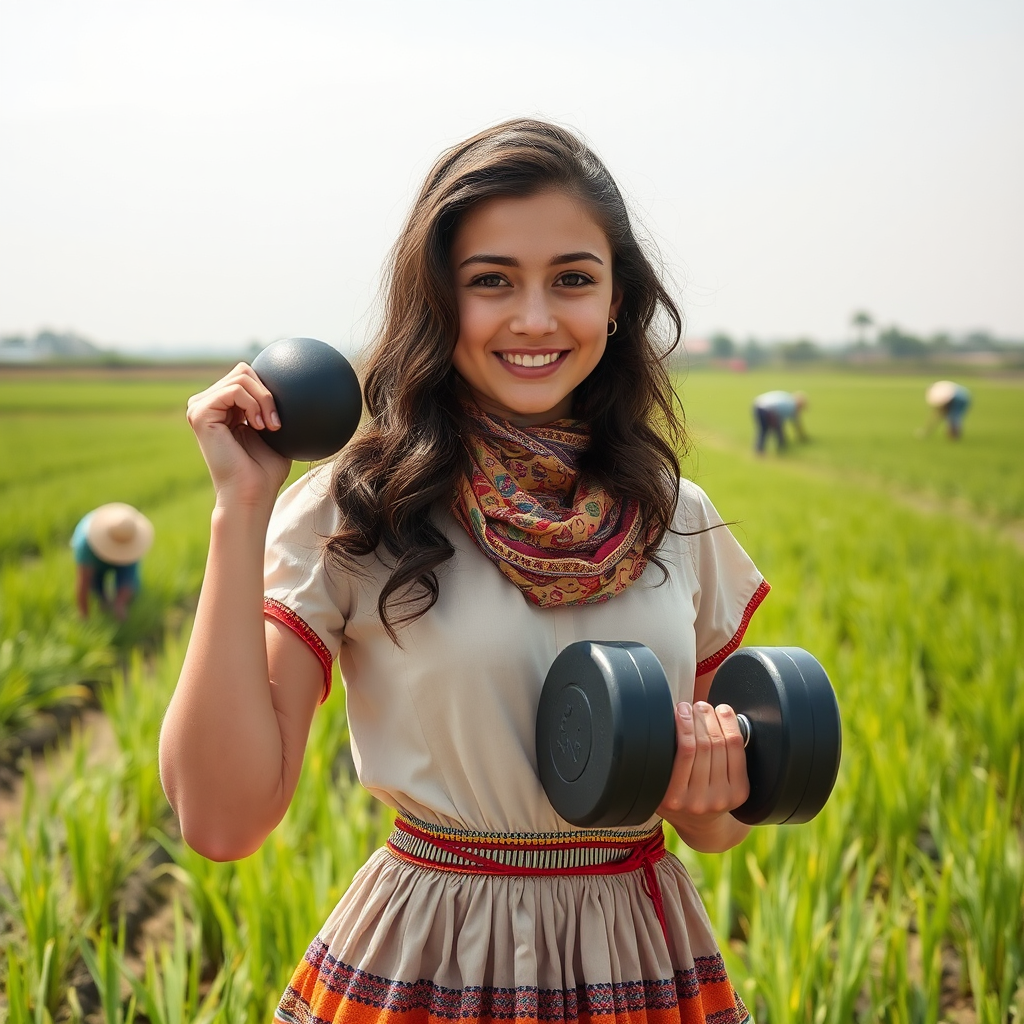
(233, 739)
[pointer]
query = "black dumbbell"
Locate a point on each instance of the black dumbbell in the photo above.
(606, 734)
(317, 395)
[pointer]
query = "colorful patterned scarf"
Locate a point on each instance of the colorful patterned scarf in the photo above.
(555, 534)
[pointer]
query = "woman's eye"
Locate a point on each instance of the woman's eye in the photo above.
(574, 279)
(489, 280)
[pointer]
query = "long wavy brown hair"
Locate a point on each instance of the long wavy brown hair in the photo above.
(409, 456)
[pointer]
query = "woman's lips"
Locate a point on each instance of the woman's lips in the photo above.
(531, 364)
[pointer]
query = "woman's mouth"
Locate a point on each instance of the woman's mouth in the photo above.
(526, 359)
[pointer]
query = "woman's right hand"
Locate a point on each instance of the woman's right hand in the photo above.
(244, 469)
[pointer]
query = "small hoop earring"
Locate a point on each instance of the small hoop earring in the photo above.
(614, 327)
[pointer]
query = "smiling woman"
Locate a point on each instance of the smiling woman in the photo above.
(515, 487)
(533, 319)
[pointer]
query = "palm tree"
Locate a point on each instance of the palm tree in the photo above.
(861, 321)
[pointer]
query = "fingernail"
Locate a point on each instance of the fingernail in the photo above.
(685, 711)
(259, 422)
(275, 420)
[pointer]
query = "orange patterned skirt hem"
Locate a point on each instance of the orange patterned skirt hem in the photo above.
(324, 990)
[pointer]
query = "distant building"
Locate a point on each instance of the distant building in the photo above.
(47, 346)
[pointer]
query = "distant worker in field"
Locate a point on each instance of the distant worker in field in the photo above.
(772, 410)
(108, 544)
(950, 402)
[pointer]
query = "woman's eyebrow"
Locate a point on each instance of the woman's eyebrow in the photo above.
(501, 261)
(511, 261)
(576, 257)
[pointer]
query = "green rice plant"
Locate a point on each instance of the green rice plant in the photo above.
(978, 829)
(104, 959)
(35, 896)
(23, 1005)
(135, 702)
(790, 936)
(32, 679)
(169, 992)
(103, 845)
(906, 991)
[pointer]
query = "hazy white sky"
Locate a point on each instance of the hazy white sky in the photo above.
(206, 172)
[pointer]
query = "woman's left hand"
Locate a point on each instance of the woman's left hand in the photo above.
(709, 777)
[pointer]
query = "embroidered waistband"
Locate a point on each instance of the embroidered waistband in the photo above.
(597, 852)
(515, 852)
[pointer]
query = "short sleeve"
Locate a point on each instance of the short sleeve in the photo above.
(300, 590)
(80, 549)
(729, 586)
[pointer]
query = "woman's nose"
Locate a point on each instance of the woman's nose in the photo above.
(533, 317)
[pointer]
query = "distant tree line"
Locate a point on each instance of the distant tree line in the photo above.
(871, 344)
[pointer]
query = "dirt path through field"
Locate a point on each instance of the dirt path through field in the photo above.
(962, 511)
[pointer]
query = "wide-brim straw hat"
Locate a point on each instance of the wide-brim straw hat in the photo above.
(940, 393)
(119, 534)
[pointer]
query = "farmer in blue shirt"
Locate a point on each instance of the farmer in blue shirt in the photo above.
(950, 402)
(108, 544)
(772, 410)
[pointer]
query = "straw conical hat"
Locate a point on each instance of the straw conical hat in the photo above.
(940, 393)
(119, 534)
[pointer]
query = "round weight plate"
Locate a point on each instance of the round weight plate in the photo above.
(605, 734)
(750, 682)
(317, 395)
(661, 735)
(792, 756)
(826, 732)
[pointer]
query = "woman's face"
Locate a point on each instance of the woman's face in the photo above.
(533, 281)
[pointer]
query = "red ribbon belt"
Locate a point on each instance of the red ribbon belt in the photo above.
(641, 855)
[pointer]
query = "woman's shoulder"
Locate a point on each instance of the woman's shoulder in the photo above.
(306, 508)
(694, 509)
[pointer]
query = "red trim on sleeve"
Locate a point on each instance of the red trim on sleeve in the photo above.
(718, 657)
(282, 613)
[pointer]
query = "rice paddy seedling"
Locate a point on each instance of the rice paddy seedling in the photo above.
(102, 843)
(33, 679)
(104, 959)
(134, 703)
(979, 828)
(28, 1006)
(42, 940)
(170, 990)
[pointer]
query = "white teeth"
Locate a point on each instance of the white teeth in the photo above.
(538, 360)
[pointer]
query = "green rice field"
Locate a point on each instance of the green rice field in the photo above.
(897, 558)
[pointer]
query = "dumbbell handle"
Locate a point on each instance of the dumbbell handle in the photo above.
(745, 727)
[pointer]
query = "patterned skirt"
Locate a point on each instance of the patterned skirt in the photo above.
(448, 925)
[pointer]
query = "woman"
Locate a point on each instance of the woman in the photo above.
(514, 488)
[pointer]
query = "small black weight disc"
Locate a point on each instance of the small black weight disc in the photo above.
(605, 734)
(794, 748)
(827, 734)
(317, 396)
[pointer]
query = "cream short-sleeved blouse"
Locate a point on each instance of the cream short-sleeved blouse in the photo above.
(442, 727)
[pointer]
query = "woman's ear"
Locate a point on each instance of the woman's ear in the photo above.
(617, 296)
